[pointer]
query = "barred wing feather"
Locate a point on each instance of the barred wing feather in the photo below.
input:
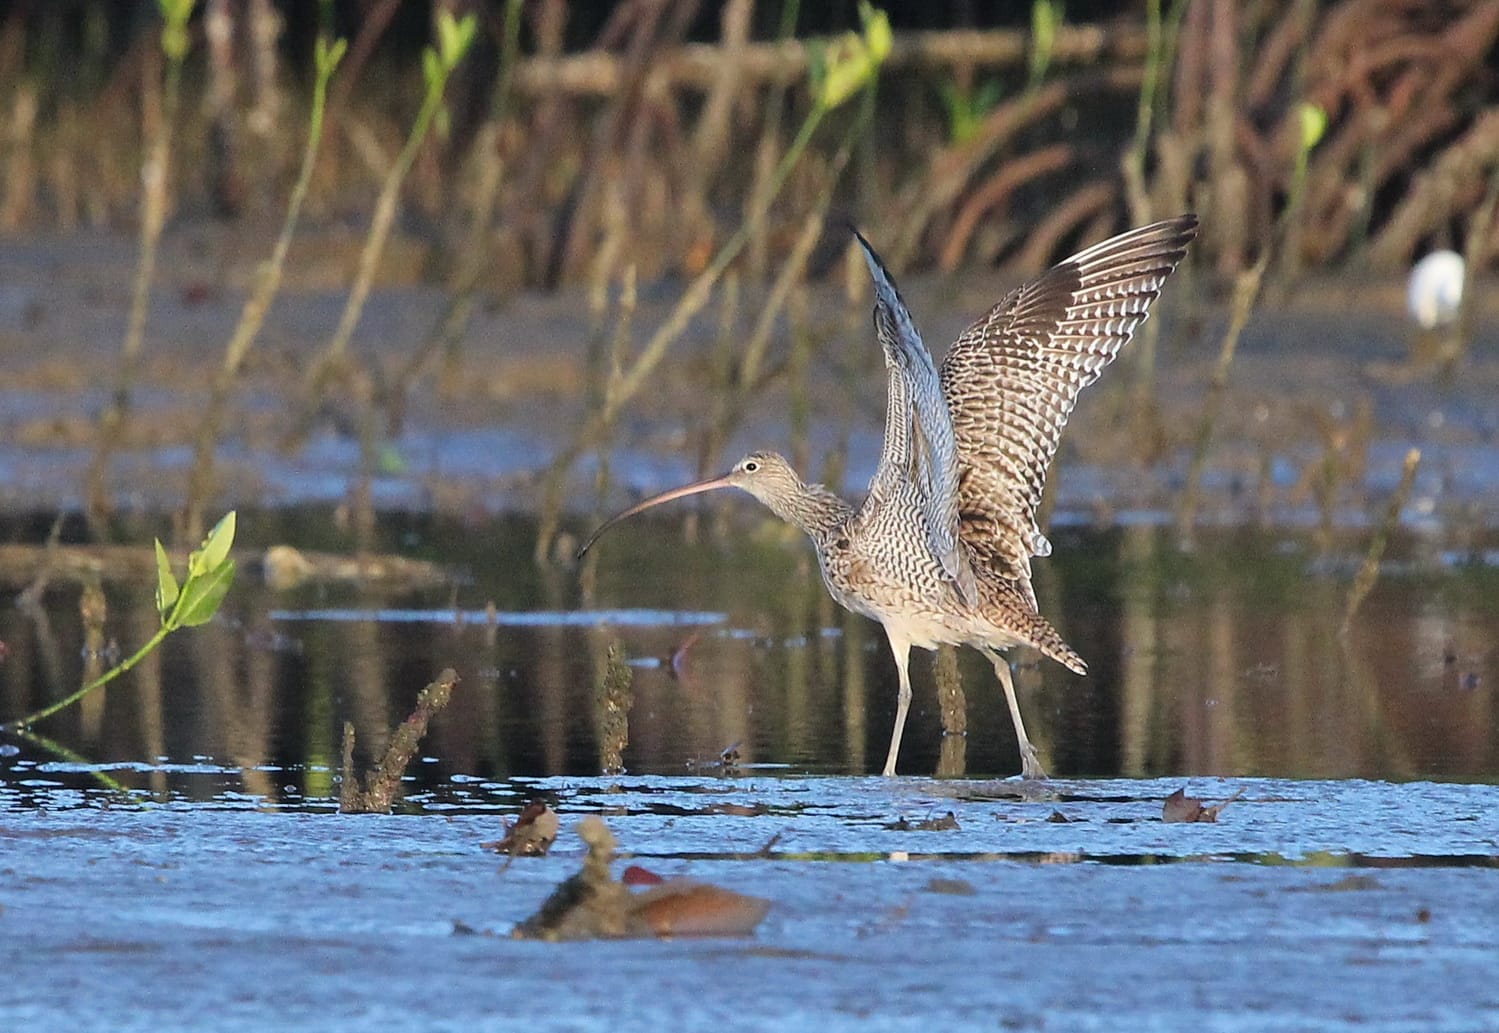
(1012, 378)
(919, 448)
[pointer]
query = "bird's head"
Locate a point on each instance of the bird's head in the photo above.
(765, 475)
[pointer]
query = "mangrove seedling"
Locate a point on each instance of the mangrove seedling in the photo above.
(194, 601)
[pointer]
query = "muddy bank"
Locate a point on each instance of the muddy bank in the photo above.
(1319, 392)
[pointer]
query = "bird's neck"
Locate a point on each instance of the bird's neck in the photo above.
(814, 509)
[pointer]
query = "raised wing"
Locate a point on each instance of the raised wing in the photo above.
(919, 447)
(1012, 378)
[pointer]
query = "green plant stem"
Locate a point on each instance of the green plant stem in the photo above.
(252, 318)
(103, 679)
(621, 387)
(474, 258)
(620, 391)
(374, 243)
(71, 756)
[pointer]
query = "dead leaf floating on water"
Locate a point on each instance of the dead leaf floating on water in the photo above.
(1181, 807)
(531, 835)
(686, 907)
(593, 905)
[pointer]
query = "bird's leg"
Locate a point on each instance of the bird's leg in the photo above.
(1030, 764)
(902, 653)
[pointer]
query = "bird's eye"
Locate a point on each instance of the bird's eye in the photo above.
(751, 466)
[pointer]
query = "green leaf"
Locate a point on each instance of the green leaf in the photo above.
(1046, 16)
(219, 541)
(166, 583)
(454, 37)
(432, 70)
(215, 548)
(878, 37)
(201, 596)
(176, 12)
(329, 55)
(853, 59)
(174, 37)
(1313, 125)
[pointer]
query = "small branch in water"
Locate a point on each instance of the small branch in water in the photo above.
(380, 786)
(1363, 581)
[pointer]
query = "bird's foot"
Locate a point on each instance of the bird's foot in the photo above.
(1030, 764)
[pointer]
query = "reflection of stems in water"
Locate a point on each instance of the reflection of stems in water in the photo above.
(99, 682)
(93, 609)
(252, 316)
(1140, 650)
(613, 701)
(155, 172)
(1246, 290)
(1363, 582)
(855, 693)
(57, 749)
(380, 785)
(953, 705)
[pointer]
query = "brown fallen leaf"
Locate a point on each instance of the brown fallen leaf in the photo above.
(1181, 807)
(593, 905)
(531, 835)
(686, 907)
(638, 876)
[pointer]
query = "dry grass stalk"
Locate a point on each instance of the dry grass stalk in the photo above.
(1368, 571)
(1246, 291)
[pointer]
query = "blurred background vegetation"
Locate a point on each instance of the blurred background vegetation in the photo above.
(1004, 132)
(594, 235)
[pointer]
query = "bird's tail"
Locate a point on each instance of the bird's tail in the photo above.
(1011, 605)
(1047, 639)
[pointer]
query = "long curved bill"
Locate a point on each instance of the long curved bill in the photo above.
(695, 488)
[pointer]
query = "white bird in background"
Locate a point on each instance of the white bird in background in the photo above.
(1434, 294)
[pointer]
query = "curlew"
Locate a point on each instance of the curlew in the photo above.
(941, 549)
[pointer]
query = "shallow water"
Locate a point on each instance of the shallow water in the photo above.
(173, 851)
(1327, 905)
(1223, 661)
